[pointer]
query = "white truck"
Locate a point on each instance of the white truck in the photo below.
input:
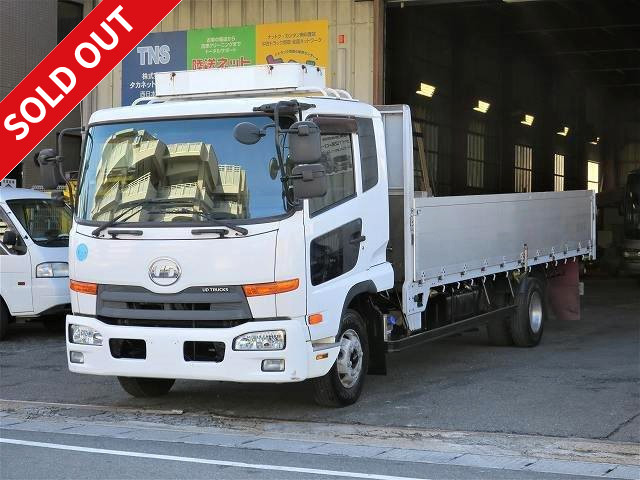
(34, 270)
(252, 225)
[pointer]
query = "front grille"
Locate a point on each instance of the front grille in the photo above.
(212, 306)
(132, 322)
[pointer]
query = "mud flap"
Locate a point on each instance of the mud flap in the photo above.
(563, 292)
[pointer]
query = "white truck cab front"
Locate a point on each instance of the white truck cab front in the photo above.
(191, 256)
(34, 279)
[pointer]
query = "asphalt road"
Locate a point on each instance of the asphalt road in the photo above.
(52, 456)
(582, 381)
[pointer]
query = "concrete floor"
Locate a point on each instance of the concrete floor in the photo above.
(581, 381)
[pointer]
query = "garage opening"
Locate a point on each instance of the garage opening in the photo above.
(517, 96)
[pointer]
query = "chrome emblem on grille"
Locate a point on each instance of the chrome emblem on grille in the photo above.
(164, 272)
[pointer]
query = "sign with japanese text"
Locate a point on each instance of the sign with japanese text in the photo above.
(221, 47)
(158, 52)
(302, 42)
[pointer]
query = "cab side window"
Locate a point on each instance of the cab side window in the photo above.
(368, 153)
(337, 159)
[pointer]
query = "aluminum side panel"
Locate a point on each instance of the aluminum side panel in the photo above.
(457, 238)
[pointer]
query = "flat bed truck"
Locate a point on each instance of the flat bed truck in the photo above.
(252, 225)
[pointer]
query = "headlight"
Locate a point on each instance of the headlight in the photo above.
(84, 335)
(631, 253)
(269, 340)
(50, 270)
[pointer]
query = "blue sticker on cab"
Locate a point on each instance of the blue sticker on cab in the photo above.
(82, 252)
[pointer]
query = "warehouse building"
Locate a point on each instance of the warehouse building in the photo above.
(506, 95)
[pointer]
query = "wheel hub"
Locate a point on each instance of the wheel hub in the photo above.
(535, 312)
(349, 359)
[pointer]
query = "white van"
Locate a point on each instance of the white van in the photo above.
(34, 269)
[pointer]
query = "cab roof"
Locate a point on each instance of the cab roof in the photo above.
(174, 108)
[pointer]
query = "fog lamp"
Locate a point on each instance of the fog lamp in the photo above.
(76, 357)
(273, 365)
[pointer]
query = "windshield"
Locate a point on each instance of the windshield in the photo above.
(632, 206)
(195, 164)
(47, 222)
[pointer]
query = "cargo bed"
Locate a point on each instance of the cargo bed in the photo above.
(446, 240)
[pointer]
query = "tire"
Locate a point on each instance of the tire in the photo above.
(342, 385)
(146, 387)
(527, 324)
(498, 333)
(5, 316)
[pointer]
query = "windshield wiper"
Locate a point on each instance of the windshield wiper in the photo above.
(141, 203)
(216, 221)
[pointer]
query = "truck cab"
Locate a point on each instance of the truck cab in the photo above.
(34, 281)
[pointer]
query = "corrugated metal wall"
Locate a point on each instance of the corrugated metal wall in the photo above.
(27, 34)
(351, 62)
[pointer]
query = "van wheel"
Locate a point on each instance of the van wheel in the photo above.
(528, 322)
(5, 318)
(146, 387)
(343, 384)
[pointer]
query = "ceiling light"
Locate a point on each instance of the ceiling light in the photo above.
(594, 141)
(527, 120)
(482, 107)
(426, 90)
(564, 132)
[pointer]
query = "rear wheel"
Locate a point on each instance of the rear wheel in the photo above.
(528, 322)
(4, 320)
(146, 387)
(343, 384)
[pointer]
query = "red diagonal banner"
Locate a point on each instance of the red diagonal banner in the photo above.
(71, 71)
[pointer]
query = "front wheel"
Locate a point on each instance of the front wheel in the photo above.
(343, 384)
(5, 316)
(146, 387)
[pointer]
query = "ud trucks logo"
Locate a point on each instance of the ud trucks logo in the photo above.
(164, 272)
(215, 289)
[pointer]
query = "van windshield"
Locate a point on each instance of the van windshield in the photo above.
(46, 221)
(193, 167)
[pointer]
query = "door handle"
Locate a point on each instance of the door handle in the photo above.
(357, 239)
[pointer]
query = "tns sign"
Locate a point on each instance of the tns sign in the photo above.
(158, 52)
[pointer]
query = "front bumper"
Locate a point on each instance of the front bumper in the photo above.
(165, 356)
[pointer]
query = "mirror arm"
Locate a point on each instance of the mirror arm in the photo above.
(283, 174)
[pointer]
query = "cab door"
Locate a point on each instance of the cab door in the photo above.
(15, 271)
(336, 233)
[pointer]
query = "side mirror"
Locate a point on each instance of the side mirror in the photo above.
(247, 133)
(50, 175)
(9, 238)
(304, 143)
(309, 181)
